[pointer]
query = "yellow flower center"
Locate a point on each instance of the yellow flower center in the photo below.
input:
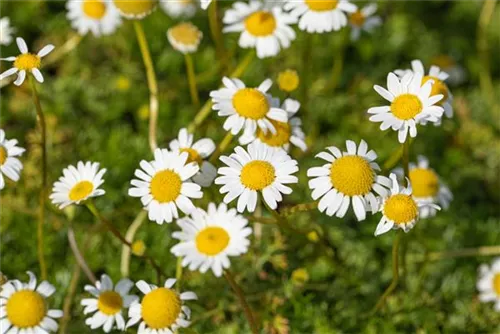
(138, 248)
(27, 62)
(260, 23)
(250, 103)
(279, 139)
(185, 33)
(81, 190)
(94, 9)
(3, 155)
(438, 87)
(166, 186)
(288, 80)
(424, 182)
(160, 308)
(357, 18)
(352, 175)
(193, 155)
(135, 8)
(406, 106)
(257, 175)
(110, 302)
(26, 308)
(496, 284)
(322, 5)
(212, 240)
(400, 208)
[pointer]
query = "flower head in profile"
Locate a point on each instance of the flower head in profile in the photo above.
(364, 20)
(411, 103)
(78, 184)
(209, 238)
(135, 9)
(176, 9)
(184, 37)
(5, 31)
(320, 16)
(108, 303)
(265, 29)
(161, 310)
(23, 307)
(288, 80)
(457, 73)
(97, 16)
(26, 62)
(246, 108)
(10, 165)
(260, 168)
(488, 283)
(348, 177)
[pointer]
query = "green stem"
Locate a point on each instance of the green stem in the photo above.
(129, 236)
(299, 208)
(465, 252)
(244, 304)
(406, 159)
(178, 273)
(193, 90)
(222, 147)
(80, 259)
(483, 47)
(338, 61)
(216, 32)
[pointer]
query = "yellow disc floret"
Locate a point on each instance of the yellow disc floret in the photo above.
(212, 240)
(406, 106)
(166, 186)
(81, 190)
(185, 33)
(257, 175)
(401, 209)
(135, 8)
(438, 87)
(261, 23)
(110, 302)
(352, 175)
(138, 247)
(357, 18)
(280, 138)
(25, 308)
(424, 182)
(496, 284)
(251, 103)
(288, 80)
(322, 5)
(3, 155)
(193, 155)
(94, 9)
(27, 62)
(160, 308)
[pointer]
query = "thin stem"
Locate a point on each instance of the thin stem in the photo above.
(222, 147)
(178, 273)
(68, 300)
(193, 90)
(129, 236)
(483, 48)
(216, 32)
(465, 252)
(79, 257)
(152, 83)
(338, 61)
(299, 208)
(43, 190)
(244, 304)
(406, 159)
(61, 51)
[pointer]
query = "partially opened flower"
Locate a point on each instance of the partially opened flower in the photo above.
(348, 177)
(5, 31)
(98, 16)
(488, 283)
(266, 30)
(320, 16)
(161, 310)
(411, 104)
(10, 165)
(26, 62)
(163, 185)
(260, 168)
(23, 307)
(185, 37)
(209, 238)
(78, 184)
(108, 304)
(246, 108)
(288, 80)
(364, 20)
(181, 8)
(197, 152)
(135, 9)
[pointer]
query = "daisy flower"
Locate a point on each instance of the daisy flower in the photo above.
(78, 184)
(23, 307)
(5, 31)
(288, 80)
(108, 303)
(9, 164)
(399, 209)
(176, 9)
(26, 62)
(411, 104)
(135, 9)
(320, 15)
(265, 29)
(488, 283)
(163, 185)
(205, 3)
(348, 177)
(248, 108)
(286, 132)
(161, 310)
(98, 16)
(208, 238)
(364, 20)
(457, 73)
(197, 153)
(184, 37)
(258, 169)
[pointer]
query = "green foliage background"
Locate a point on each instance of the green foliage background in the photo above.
(93, 98)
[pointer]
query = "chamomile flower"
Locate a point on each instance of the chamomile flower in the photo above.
(205, 3)
(180, 8)
(320, 16)
(135, 9)
(265, 29)
(457, 73)
(288, 80)
(209, 238)
(488, 283)
(411, 104)
(23, 307)
(286, 132)
(78, 184)
(248, 108)
(399, 209)
(108, 303)
(26, 62)
(197, 153)
(258, 169)
(163, 185)
(10, 166)
(5, 31)
(364, 20)
(97, 16)
(161, 310)
(348, 177)
(184, 37)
